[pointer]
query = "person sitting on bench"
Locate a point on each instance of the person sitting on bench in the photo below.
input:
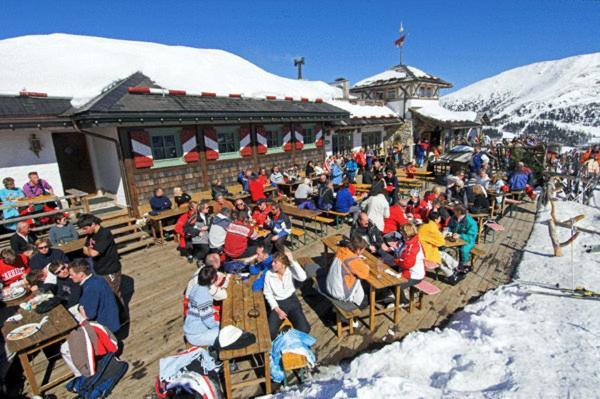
(346, 275)
(280, 227)
(480, 200)
(279, 291)
(326, 199)
(200, 327)
(411, 260)
(218, 188)
(432, 239)
(159, 202)
(261, 213)
(466, 229)
(240, 238)
(344, 202)
(365, 229)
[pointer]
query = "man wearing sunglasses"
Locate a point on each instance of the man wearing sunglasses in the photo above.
(45, 254)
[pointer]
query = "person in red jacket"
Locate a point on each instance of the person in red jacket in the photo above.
(240, 238)
(410, 260)
(13, 266)
(397, 218)
(410, 170)
(261, 214)
(256, 188)
(190, 216)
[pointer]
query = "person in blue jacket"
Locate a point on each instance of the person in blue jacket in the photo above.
(8, 195)
(466, 229)
(519, 178)
(351, 168)
(97, 300)
(344, 201)
(336, 174)
(159, 202)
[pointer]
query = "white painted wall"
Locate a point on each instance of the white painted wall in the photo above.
(105, 163)
(17, 160)
(356, 140)
(329, 142)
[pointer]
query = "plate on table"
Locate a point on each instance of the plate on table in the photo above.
(12, 293)
(23, 331)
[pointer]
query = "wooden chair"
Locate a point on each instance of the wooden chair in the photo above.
(291, 362)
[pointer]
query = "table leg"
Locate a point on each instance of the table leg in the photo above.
(397, 306)
(267, 373)
(153, 228)
(162, 234)
(29, 374)
(227, 373)
(372, 309)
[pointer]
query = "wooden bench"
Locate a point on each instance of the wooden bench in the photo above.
(510, 203)
(344, 315)
(480, 218)
(291, 362)
(338, 216)
(323, 221)
(296, 234)
(419, 291)
(476, 252)
(432, 267)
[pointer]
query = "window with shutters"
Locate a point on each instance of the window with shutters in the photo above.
(274, 135)
(371, 140)
(166, 146)
(228, 138)
(341, 143)
(308, 134)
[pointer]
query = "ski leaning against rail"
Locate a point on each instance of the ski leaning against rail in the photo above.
(577, 293)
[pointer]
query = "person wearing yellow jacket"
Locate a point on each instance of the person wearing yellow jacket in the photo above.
(432, 239)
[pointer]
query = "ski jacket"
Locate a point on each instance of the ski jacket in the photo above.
(431, 239)
(343, 277)
(412, 260)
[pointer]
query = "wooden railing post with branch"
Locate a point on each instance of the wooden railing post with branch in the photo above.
(553, 223)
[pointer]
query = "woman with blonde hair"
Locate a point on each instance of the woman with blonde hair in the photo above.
(480, 200)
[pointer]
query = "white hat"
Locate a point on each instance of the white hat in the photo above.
(231, 337)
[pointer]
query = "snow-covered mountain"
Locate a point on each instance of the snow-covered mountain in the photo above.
(559, 99)
(81, 66)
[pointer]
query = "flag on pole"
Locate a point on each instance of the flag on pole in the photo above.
(400, 41)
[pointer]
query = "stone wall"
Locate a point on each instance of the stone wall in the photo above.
(188, 177)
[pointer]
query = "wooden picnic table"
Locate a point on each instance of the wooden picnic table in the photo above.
(235, 197)
(240, 300)
(302, 214)
(157, 222)
(288, 187)
(71, 246)
(385, 281)
(60, 323)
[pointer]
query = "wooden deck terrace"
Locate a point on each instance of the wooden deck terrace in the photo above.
(157, 276)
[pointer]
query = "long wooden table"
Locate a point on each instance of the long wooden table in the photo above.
(72, 246)
(302, 214)
(157, 222)
(375, 283)
(240, 300)
(288, 187)
(60, 323)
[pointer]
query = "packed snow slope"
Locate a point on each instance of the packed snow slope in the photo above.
(515, 342)
(558, 98)
(81, 66)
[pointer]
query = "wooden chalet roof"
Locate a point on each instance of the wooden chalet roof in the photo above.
(399, 74)
(118, 105)
(27, 111)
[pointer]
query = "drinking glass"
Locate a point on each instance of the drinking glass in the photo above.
(380, 267)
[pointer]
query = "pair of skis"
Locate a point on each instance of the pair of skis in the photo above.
(577, 293)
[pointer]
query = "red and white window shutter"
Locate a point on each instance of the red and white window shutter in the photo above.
(211, 143)
(298, 137)
(319, 139)
(245, 141)
(189, 144)
(261, 140)
(141, 149)
(287, 138)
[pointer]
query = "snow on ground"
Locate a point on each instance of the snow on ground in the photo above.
(361, 110)
(509, 344)
(81, 66)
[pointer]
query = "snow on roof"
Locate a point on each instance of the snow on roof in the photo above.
(399, 72)
(82, 66)
(364, 111)
(437, 112)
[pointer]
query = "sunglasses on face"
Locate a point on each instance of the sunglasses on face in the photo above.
(42, 247)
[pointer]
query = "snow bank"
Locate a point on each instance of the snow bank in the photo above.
(81, 66)
(366, 111)
(509, 344)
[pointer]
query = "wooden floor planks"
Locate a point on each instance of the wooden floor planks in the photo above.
(160, 275)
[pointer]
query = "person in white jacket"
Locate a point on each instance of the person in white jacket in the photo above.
(378, 209)
(279, 292)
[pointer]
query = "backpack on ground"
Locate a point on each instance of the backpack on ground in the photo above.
(110, 370)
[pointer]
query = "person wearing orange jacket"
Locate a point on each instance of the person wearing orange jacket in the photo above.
(410, 260)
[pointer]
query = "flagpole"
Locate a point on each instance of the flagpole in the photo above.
(401, 47)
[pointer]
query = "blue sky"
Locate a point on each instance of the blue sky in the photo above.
(461, 41)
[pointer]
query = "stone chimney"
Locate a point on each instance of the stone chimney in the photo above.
(343, 84)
